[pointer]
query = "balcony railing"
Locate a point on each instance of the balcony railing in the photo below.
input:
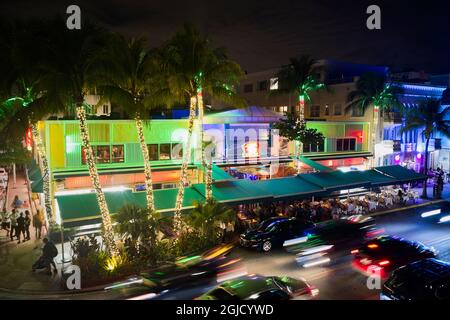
(395, 117)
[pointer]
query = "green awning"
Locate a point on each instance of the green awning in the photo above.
(37, 186)
(284, 188)
(335, 180)
(35, 174)
(314, 164)
(401, 174)
(236, 191)
(219, 174)
(376, 178)
(81, 207)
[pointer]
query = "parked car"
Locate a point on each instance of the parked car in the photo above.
(273, 232)
(387, 253)
(3, 183)
(3, 174)
(427, 279)
(261, 288)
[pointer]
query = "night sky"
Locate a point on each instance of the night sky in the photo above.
(263, 34)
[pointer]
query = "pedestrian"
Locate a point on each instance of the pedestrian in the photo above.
(229, 231)
(13, 218)
(49, 253)
(37, 224)
(223, 228)
(20, 227)
(17, 203)
(27, 225)
(6, 222)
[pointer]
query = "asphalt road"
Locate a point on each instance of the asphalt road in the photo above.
(340, 281)
(336, 281)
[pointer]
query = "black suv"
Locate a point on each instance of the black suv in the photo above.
(274, 232)
(427, 279)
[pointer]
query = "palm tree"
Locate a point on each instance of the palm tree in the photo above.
(431, 119)
(295, 130)
(373, 89)
(299, 77)
(122, 71)
(193, 67)
(204, 217)
(22, 106)
(66, 65)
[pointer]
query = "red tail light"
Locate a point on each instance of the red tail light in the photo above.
(384, 263)
(354, 251)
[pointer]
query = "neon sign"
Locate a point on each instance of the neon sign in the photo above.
(29, 139)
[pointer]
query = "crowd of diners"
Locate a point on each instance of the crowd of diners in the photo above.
(325, 209)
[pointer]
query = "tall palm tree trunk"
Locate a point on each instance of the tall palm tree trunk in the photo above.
(376, 114)
(301, 119)
(46, 173)
(301, 110)
(298, 153)
(95, 178)
(147, 166)
(178, 225)
(206, 163)
(425, 169)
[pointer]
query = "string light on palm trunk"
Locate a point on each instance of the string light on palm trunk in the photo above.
(46, 174)
(108, 235)
(178, 223)
(147, 166)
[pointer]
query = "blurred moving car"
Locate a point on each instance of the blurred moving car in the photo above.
(427, 279)
(386, 253)
(185, 273)
(262, 288)
(203, 270)
(327, 242)
(273, 232)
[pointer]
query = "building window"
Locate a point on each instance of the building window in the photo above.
(327, 110)
(164, 151)
(314, 111)
(153, 152)
(103, 154)
(117, 153)
(337, 109)
(273, 83)
(248, 88)
(357, 112)
(283, 109)
(317, 147)
(262, 85)
(346, 144)
(106, 109)
(177, 151)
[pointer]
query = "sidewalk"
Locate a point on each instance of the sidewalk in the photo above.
(16, 259)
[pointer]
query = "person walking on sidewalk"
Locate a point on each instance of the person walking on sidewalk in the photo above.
(37, 224)
(6, 222)
(20, 227)
(27, 225)
(13, 218)
(17, 203)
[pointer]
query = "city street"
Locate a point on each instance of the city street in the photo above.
(337, 281)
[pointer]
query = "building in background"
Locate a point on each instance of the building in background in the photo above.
(347, 145)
